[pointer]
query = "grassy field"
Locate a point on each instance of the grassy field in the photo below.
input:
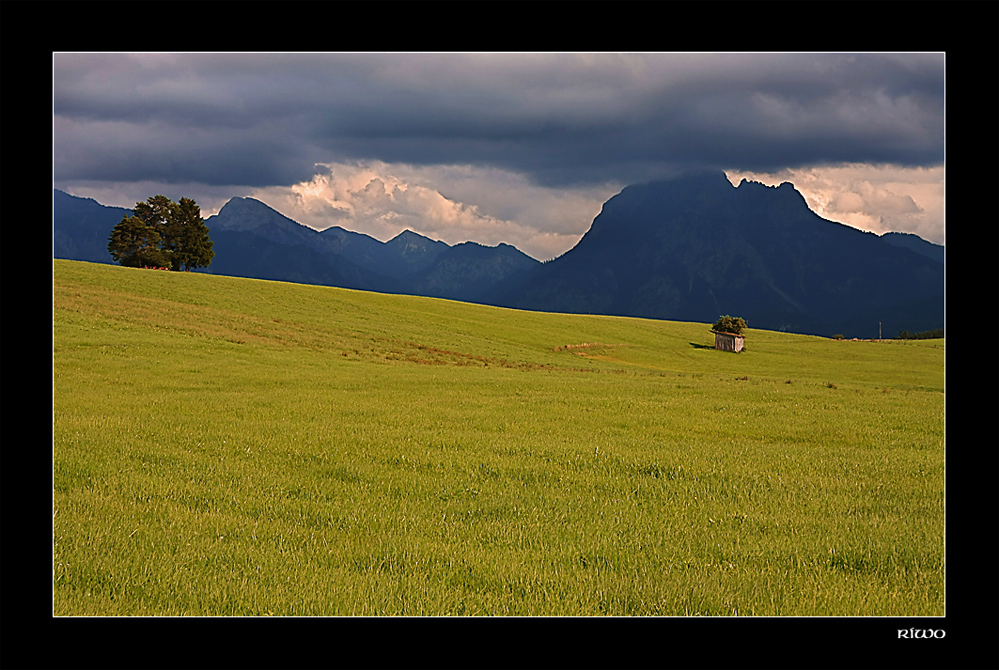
(227, 446)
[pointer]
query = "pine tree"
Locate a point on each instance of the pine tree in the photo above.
(192, 246)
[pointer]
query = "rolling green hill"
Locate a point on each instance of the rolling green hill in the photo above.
(229, 446)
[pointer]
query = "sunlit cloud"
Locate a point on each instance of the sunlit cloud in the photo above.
(484, 205)
(873, 198)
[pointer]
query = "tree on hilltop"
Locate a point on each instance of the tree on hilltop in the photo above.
(187, 237)
(135, 243)
(162, 233)
(155, 211)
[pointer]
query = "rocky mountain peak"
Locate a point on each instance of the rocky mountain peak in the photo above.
(694, 247)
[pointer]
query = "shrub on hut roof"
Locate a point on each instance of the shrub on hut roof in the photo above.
(730, 324)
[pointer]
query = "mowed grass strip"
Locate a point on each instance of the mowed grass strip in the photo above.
(228, 446)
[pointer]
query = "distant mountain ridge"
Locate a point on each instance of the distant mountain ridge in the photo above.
(81, 227)
(409, 263)
(917, 244)
(687, 249)
(696, 247)
(251, 239)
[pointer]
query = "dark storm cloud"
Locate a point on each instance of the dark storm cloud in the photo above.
(267, 119)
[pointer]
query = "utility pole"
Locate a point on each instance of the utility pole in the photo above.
(879, 330)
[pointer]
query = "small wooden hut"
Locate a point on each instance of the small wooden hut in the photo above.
(728, 341)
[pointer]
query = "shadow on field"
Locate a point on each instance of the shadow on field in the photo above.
(702, 346)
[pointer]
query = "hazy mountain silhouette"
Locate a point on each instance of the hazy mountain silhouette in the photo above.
(468, 271)
(253, 240)
(81, 227)
(403, 255)
(409, 263)
(696, 247)
(917, 244)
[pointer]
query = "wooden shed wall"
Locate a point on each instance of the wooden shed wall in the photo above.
(727, 342)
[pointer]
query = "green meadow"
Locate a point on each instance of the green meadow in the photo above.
(234, 447)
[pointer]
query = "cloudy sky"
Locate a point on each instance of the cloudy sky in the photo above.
(521, 148)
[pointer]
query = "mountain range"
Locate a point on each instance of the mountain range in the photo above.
(250, 239)
(696, 247)
(687, 249)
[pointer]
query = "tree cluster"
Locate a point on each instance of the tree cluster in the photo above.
(925, 335)
(162, 233)
(730, 324)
